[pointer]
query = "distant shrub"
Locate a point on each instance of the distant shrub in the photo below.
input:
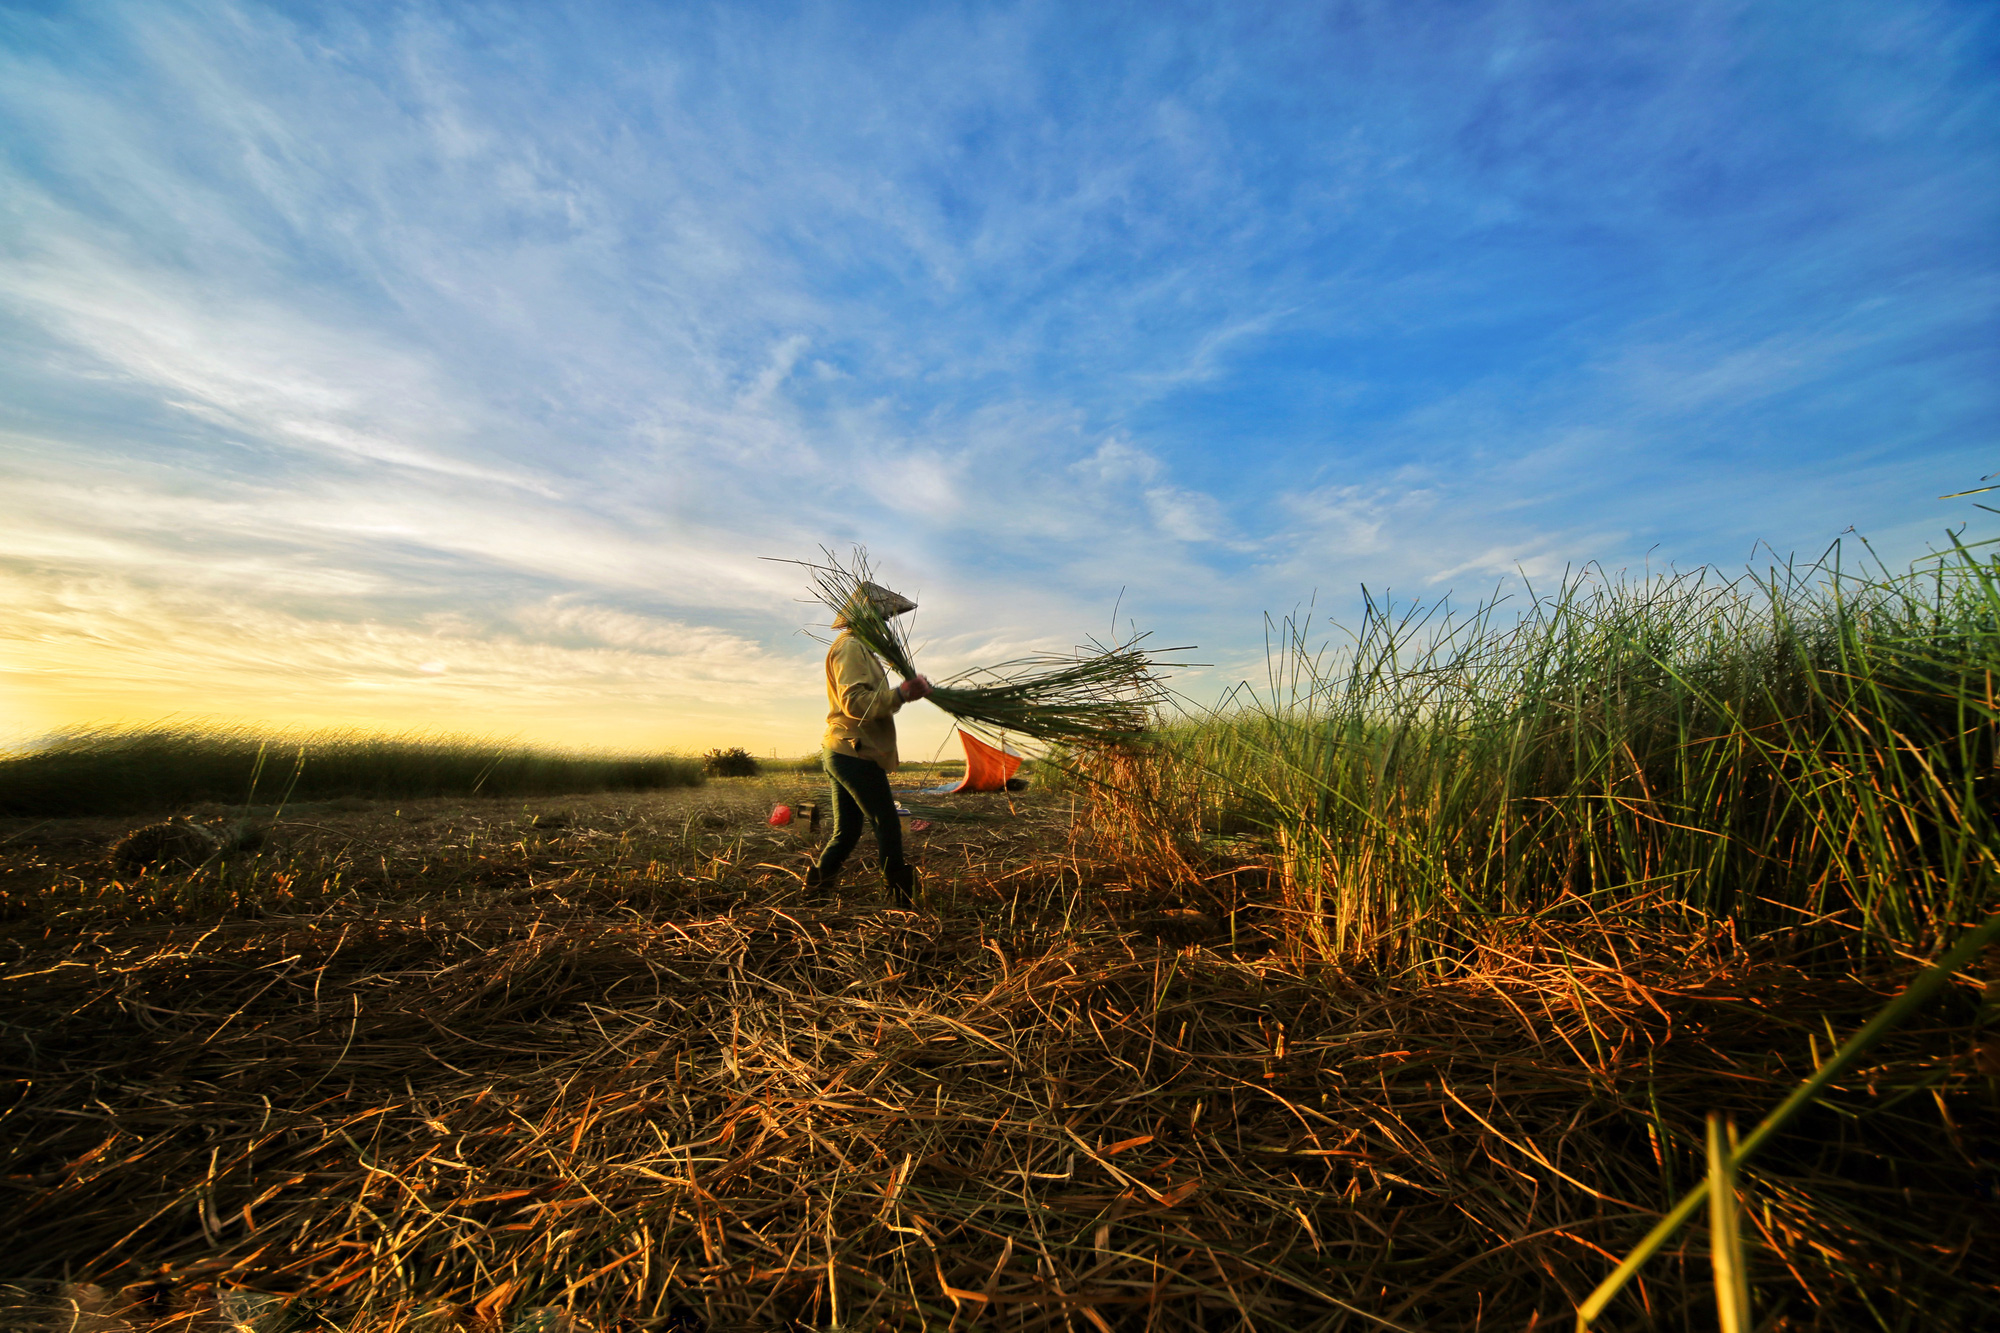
(735, 762)
(124, 770)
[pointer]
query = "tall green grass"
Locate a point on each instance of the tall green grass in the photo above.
(1803, 747)
(126, 770)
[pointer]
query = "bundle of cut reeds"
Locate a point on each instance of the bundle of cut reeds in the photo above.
(1096, 696)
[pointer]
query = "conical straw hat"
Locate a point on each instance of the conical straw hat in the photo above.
(886, 603)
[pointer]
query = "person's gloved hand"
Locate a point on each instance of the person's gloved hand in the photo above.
(915, 688)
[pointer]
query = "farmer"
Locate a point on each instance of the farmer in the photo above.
(861, 750)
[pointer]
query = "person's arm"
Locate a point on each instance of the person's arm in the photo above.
(854, 678)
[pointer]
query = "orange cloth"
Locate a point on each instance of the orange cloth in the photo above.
(986, 769)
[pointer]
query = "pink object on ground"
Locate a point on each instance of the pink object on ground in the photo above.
(986, 769)
(781, 815)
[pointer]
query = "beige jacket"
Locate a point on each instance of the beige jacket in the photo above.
(861, 703)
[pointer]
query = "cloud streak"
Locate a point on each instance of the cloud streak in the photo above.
(533, 330)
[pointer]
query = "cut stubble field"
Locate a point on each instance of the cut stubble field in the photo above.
(599, 1063)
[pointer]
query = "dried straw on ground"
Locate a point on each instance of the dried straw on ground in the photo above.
(651, 1092)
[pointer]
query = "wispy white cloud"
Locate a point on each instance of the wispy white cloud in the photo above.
(500, 327)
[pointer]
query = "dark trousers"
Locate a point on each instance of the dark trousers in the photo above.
(861, 794)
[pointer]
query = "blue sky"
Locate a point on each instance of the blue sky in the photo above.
(451, 365)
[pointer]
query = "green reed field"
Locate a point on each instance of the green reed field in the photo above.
(1806, 751)
(158, 769)
(1414, 989)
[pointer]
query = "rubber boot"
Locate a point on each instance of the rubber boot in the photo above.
(902, 882)
(821, 883)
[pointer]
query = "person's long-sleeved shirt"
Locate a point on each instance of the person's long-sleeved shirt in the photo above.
(861, 703)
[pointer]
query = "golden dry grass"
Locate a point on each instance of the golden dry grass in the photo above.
(432, 1066)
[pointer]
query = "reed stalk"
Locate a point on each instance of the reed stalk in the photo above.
(1898, 1010)
(1806, 750)
(1099, 695)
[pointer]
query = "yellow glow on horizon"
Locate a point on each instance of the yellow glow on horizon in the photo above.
(784, 728)
(109, 652)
